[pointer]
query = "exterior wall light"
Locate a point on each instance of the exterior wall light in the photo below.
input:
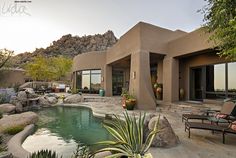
(134, 75)
(102, 79)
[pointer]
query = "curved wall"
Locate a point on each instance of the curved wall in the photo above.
(90, 60)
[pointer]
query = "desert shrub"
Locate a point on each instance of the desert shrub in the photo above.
(14, 130)
(44, 154)
(3, 98)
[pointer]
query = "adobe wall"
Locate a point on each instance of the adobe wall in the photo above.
(9, 78)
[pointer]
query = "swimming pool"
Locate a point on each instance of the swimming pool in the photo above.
(61, 128)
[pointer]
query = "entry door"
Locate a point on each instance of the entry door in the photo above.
(197, 83)
(117, 81)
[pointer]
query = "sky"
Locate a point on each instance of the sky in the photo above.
(26, 26)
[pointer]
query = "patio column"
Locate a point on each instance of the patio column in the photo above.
(140, 81)
(108, 80)
(170, 79)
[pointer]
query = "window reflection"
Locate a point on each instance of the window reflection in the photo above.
(216, 81)
(95, 81)
(219, 77)
(88, 81)
(232, 77)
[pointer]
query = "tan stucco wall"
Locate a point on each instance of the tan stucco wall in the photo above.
(9, 78)
(139, 42)
(88, 61)
(192, 42)
(128, 43)
(154, 39)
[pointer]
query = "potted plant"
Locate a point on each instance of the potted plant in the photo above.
(128, 100)
(158, 88)
(124, 96)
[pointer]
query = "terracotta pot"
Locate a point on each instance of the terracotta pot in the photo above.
(124, 102)
(130, 104)
(181, 94)
(159, 93)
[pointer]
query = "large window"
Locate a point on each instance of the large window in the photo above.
(89, 81)
(95, 80)
(232, 79)
(221, 80)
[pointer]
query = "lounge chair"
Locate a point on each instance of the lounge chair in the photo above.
(227, 109)
(210, 127)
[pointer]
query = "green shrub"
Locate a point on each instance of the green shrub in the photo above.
(44, 154)
(14, 130)
(3, 98)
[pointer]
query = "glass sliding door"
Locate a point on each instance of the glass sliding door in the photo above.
(117, 81)
(213, 81)
(196, 82)
(95, 80)
(232, 79)
(215, 78)
(88, 81)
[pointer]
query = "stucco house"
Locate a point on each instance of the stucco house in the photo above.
(177, 59)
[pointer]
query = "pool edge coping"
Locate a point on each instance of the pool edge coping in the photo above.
(15, 143)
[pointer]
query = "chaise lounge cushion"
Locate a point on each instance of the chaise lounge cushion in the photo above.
(233, 126)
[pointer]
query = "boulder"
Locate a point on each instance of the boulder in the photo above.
(19, 107)
(43, 101)
(22, 119)
(22, 96)
(7, 108)
(30, 93)
(166, 137)
(13, 100)
(74, 98)
(52, 100)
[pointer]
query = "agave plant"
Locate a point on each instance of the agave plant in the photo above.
(44, 154)
(82, 151)
(128, 136)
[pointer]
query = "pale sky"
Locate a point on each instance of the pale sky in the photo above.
(40, 22)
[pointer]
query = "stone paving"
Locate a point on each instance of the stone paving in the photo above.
(202, 144)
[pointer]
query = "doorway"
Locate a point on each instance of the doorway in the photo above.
(197, 83)
(117, 81)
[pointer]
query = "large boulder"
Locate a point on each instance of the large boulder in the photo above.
(52, 100)
(22, 96)
(7, 108)
(15, 120)
(166, 137)
(74, 98)
(30, 93)
(44, 101)
(19, 106)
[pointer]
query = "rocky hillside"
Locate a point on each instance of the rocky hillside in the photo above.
(69, 46)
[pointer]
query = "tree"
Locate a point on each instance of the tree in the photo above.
(47, 69)
(61, 66)
(220, 21)
(5, 56)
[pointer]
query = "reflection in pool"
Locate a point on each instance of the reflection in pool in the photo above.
(61, 128)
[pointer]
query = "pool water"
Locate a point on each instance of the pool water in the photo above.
(61, 128)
